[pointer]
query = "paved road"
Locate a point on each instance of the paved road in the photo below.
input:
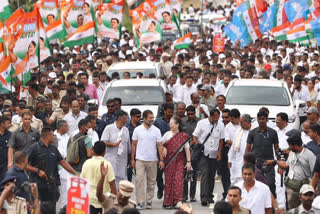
(197, 208)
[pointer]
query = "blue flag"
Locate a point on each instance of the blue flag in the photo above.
(269, 18)
(296, 9)
(315, 26)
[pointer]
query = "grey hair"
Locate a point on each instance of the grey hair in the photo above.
(246, 118)
(60, 123)
(182, 103)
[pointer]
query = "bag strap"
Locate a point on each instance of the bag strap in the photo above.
(206, 139)
(177, 152)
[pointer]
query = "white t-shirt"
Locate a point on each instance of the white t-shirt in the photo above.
(303, 95)
(147, 140)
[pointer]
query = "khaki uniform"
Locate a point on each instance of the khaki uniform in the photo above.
(111, 201)
(56, 103)
(33, 101)
(57, 115)
(242, 211)
(19, 206)
(35, 123)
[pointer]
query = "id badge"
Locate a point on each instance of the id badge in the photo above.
(291, 174)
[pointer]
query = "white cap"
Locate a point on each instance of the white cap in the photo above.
(52, 75)
(306, 188)
(165, 54)
(222, 56)
(128, 52)
(209, 52)
(131, 42)
(123, 42)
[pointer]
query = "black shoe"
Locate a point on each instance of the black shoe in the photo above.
(193, 199)
(168, 207)
(210, 201)
(204, 203)
(160, 194)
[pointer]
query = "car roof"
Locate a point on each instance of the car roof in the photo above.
(257, 82)
(136, 82)
(134, 65)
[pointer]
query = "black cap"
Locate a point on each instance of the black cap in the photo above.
(293, 132)
(8, 179)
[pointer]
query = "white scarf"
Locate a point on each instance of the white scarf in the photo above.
(237, 142)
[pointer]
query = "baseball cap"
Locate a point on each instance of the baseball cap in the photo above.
(8, 179)
(52, 75)
(293, 132)
(205, 87)
(126, 188)
(169, 92)
(306, 188)
(7, 103)
(99, 62)
(165, 54)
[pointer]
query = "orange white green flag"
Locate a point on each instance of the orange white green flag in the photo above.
(183, 42)
(6, 72)
(83, 35)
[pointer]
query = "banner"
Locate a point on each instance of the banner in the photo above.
(48, 10)
(176, 6)
(13, 27)
(78, 196)
(72, 14)
(218, 43)
(109, 19)
(83, 35)
(163, 13)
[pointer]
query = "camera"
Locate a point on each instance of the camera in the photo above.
(281, 155)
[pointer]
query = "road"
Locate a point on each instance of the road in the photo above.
(197, 208)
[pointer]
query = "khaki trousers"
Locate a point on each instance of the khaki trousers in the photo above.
(292, 198)
(145, 169)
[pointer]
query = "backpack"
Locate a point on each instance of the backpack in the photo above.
(73, 151)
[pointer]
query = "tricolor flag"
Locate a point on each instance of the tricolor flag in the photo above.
(5, 11)
(298, 35)
(220, 21)
(183, 42)
(280, 32)
(6, 71)
(83, 35)
(56, 30)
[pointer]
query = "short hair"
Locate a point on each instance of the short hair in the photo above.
(34, 86)
(234, 113)
(283, 116)
(235, 188)
(250, 158)
(117, 99)
(191, 108)
(134, 112)
(221, 96)
(262, 114)
(92, 108)
(84, 74)
(90, 118)
(4, 119)
(249, 166)
(121, 113)
(60, 123)
(26, 113)
(315, 128)
(82, 123)
(226, 110)
(45, 131)
(168, 106)
(222, 207)
(146, 113)
(213, 111)
(247, 118)
(110, 101)
(298, 78)
(19, 157)
(99, 147)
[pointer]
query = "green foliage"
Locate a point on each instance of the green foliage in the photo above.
(26, 5)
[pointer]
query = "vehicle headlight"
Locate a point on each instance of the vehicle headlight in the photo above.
(292, 118)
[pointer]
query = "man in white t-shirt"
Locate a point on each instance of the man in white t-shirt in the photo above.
(146, 142)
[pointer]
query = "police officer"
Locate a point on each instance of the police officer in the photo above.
(121, 201)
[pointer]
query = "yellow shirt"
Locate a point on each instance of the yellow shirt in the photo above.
(91, 172)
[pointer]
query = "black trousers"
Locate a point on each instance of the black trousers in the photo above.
(49, 194)
(193, 183)
(94, 210)
(224, 171)
(208, 168)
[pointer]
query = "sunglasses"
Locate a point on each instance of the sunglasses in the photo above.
(138, 116)
(110, 106)
(225, 117)
(190, 114)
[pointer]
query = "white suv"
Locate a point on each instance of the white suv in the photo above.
(249, 95)
(143, 94)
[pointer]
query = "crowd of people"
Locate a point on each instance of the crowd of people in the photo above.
(265, 166)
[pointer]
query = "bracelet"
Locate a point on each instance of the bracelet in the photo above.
(188, 161)
(275, 162)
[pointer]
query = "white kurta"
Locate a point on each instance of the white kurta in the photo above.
(236, 157)
(117, 156)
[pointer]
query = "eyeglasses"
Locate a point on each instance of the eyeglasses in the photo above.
(190, 114)
(225, 117)
(138, 116)
(110, 106)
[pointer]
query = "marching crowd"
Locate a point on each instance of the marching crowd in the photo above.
(265, 166)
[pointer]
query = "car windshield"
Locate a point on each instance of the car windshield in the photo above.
(194, 28)
(133, 72)
(257, 95)
(137, 95)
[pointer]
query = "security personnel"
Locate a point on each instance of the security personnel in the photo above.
(121, 201)
(13, 203)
